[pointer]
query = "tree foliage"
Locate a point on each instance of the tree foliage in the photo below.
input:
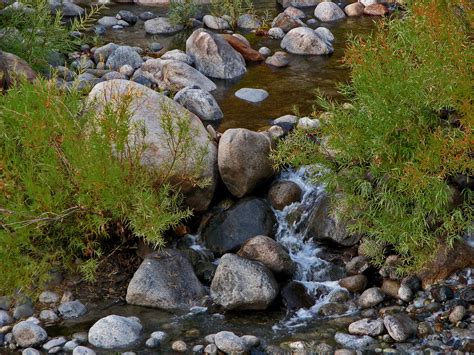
(398, 151)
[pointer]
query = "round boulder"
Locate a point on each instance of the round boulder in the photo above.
(328, 12)
(355, 284)
(371, 297)
(400, 326)
(115, 332)
(355, 9)
(284, 193)
(229, 343)
(304, 40)
(28, 334)
(161, 25)
(366, 326)
(200, 102)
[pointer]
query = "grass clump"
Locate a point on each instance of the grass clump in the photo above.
(182, 11)
(232, 10)
(67, 177)
(398, 152)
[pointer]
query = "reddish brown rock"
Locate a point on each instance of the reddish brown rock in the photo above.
(390, 287)
(355, 9)
(243, 48)
(447, 261)
(376, 10)
(355, 284)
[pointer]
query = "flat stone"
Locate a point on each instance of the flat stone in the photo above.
(251, 95)
(113, 332)
(73, 309)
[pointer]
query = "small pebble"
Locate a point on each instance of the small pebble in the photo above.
(179, 346)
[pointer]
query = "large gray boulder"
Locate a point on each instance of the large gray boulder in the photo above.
(165, 280)
(178, 75)
(243, 284)
(161, 25)
(103, 53)
(124, 55)
(201, 103)
(244, 160)
(148, 108)
(287, 22)
(214, 56)
(28, 334)
(325, 226)
(304, 40)
(228, 230)
(270, 253)
(328, 11)
(229, 343)
(115, 332)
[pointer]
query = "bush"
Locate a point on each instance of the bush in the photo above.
(232, 8)
(398, 152)
(33, 33)
(66, 176)
(181, 11)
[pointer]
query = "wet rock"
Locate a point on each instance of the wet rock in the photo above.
(400, 326)
(215, 23)
(250, 341)
(270, 253)
(229, 343)
(114, 332)
(24, 310)
(127, 16)
(73, 309)
(177, 55)
(276, 33)
(211, 349)
(243, 160)
(294, 12)
(405, 293)
(179, 75)
(160, 26)
(247, 218)
(55, 342)
(28, 334)
(82, 350)
(324, 226)
(442, 293)
(5, 318)
(367, 326)
(48, 315)
(243, 284)
(339, 296)
(107, 21)
(298, 3)
(124, 55)
(357, 265)
(284, 193)
(244, 48)
(148, 108)
(147, 15)
(332, 309)
(287, 22)
(303, 40)
(355, 9)
(179, 346)
(200, 102)
(376, 10)
(328, 12)
(412, 282)
(265, 51)
(390, 287)
(165, 280)
(279, 60)
(70, 345)
(353, 341)
(295, 296)
(251, 95)
(213, 56)
(248, 22)
(457, 314)
(371, 297)
(355, 284)
(30, 351)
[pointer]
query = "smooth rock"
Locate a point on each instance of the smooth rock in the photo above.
(357, 265)
(113, 332)
(371, 297)
(376, 10)
(248, 22)
(179, 346)
(178, 75)
(326, 35)
(82, 350)
(405, 293)
(200, 102)
(28, 334)
(304, 40)
(390, 287)
(265, 51)
(295, 296)
(124, 55)
(48, 297)
(294, 12)
(127, 16)
(55, 342)
(270, 253)
(400, 326)
(251, 95)
(165, 280)
(247, 52)
(371, 327)
(287, 22)
(355, 9)
(457, 314)
(103, 53)
(308, 123)
(107, 21)
(24, 310)
(73, 309)
(48, 315)
(177, 55)
(243, 284)
(284, 193)
(276, 33)
(250, 341)
(215, 23)
(279, 60)
(229, 343)
(328, 12)
(353, 341)
(298, 3)
(147, 15)
(161, 25)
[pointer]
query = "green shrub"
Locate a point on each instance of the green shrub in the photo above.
(33, 33)
(232, 8)
(394, 153)
(65, 177)
(181, 11)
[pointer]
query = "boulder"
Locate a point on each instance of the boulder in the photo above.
(5, 318)
(298, 3)
(213, 56)
(124, 55)
(244, 160)
(165, 280)
(294, 12)
(284, 193)
(228, 230)
(328, 12)
(243, 284)
(13, 68)
(400, 326)
(304, 40)
(115, 332)
(28, 334)
(127, 16)
(66, 7)
(376, 10)
(355, 9)
(82, 350)
(371, 297)
(270, 253)
(200, 102)
(295, 296)
(326, 35)
(160, 26)
(72, 309)
(391, 287)
(354, 342)
(243, 48)
(325, 226)
(287, 22)
(368, 2)
(355, 284)
(103, 53)
(107, 21)
(248, 22)
(276, 33)
(215, 23)
(178, 75)
(148, 108)
(278, 59)
(366, 326)
(251, 95)
(177, 55)
(229, 343)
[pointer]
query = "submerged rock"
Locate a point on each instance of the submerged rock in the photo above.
(279, 60)
(304, 40)
(229, 343)
(165, 280)
(114, 332)
(284, 193)
(243, 284)
(161, 25)
(201, 103)
(295, 296)
(213, 56)
(251, 95)
(228, 230)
